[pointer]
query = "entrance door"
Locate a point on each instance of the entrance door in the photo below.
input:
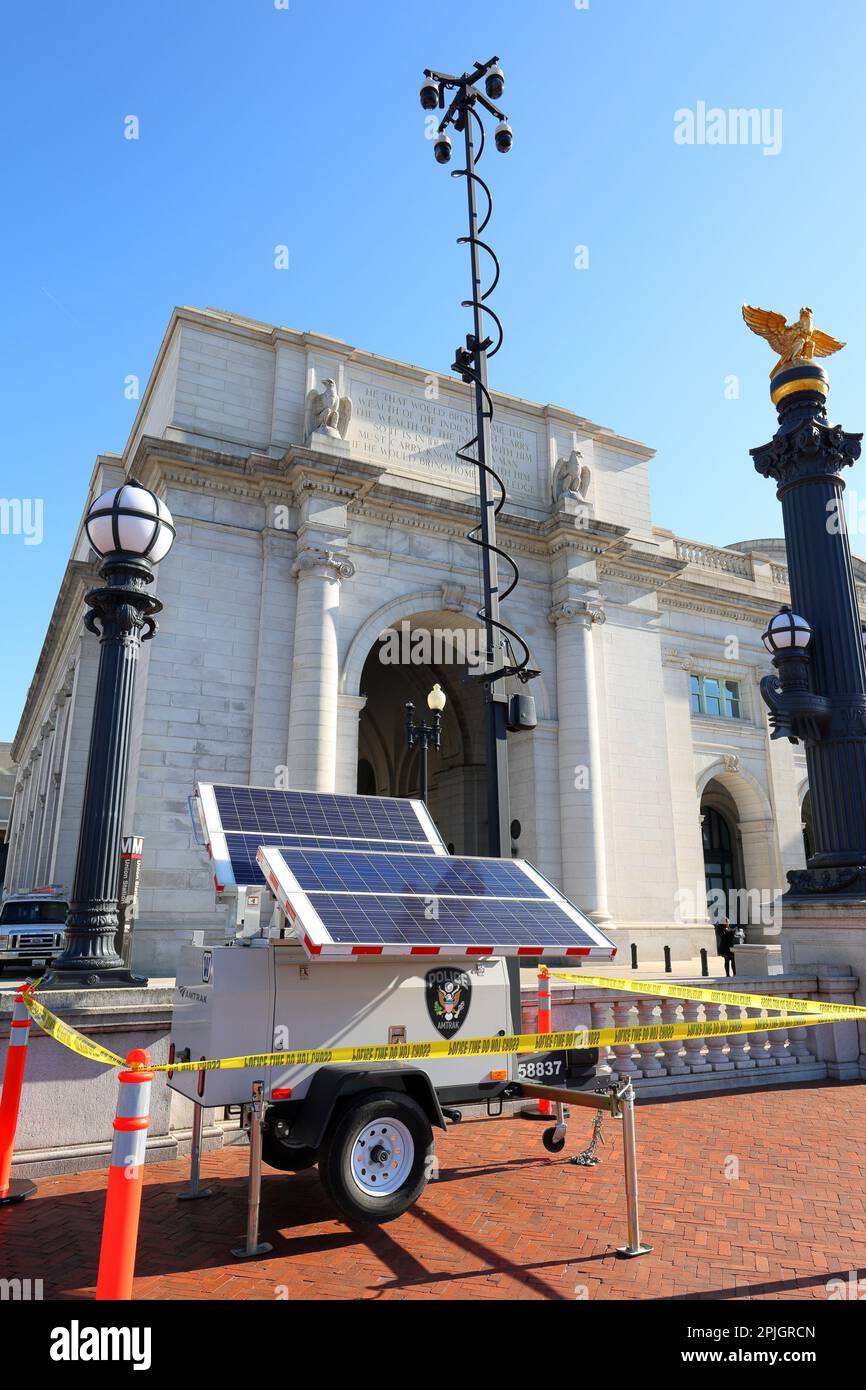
(719, 871)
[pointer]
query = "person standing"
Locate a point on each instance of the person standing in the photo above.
(727, 943)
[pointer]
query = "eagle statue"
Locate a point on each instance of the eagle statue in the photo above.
(795, 342)
(327, 412)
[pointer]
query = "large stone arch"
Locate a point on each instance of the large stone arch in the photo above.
(409, 607)
(754, 824)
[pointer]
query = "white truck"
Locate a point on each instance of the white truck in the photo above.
(31, 927)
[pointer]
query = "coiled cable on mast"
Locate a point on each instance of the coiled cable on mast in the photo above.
(465, 364)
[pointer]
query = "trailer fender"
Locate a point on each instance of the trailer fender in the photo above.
(332, 1088)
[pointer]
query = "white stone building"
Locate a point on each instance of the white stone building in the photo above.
(651, 772)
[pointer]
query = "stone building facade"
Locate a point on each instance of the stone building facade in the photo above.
(651, 773)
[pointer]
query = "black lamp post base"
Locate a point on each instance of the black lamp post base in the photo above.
(840, 881)
(19, 1188)
(112, 978)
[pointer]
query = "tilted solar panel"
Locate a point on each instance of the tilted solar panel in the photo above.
(234, 821)
(412, 874)
(379, 904)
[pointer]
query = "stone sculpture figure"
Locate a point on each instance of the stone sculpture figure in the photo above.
(571, 478)
(327, 412)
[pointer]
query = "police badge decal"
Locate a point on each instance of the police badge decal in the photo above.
(448, 993)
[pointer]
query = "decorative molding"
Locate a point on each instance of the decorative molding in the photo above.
(683, 661)
(453, 597)
(577, 610)
(332, 565)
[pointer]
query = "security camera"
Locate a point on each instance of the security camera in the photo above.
(504, 137)
(495, 83)
(429, 95)
(442, 148)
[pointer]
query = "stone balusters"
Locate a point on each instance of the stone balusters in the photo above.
(717, 1057)
(673, 1054)
(738, 1049)
(759, 1050)
(649, 1061)
(624, 1016)
(692, 1012)
(601, 1015)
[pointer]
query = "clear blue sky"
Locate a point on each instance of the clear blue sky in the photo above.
(261, 125)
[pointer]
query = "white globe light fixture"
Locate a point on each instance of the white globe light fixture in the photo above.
(437, 699)
(786, 632)
(130, 520)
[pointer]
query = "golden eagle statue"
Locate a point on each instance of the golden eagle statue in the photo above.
(795, 342)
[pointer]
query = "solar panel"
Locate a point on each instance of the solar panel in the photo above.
(381, 904)
(412, 874)
(236, 820)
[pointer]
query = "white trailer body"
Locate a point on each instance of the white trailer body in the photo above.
(267, 996)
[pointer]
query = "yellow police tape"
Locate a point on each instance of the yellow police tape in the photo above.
(467, 1047)
(711, 996)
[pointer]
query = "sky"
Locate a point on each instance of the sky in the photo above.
(293, 122)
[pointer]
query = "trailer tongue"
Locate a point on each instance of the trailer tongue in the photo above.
(354, 926)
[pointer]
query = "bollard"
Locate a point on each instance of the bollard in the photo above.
(667, 960)
(254, 1246)
(629, 1150)
(705, 963)
(13, 1189)
(543, 1109)
(634, 955)
(125, 1181)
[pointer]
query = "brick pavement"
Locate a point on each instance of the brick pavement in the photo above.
(506, 1221)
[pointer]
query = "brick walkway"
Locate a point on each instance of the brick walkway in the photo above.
(504, 1220)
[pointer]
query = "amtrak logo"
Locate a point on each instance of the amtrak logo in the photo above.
(448, 993)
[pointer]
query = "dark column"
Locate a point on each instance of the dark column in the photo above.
(805, 457)
(122, 616)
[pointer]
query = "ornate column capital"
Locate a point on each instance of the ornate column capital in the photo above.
(333, 565)
(672, 656)
(581, 611)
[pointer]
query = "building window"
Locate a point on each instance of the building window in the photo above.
(718, 698)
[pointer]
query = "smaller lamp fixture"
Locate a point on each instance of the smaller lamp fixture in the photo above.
(437, 700)
(130, 520)
(786, 632)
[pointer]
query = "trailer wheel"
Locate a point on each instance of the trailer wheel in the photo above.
(553, 1144)
(284, 1157)
(376, 1161)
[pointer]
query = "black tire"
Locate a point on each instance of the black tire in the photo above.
(553, 1145)
(335, 1160)
(286, 1159)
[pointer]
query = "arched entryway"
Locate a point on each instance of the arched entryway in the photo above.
(396, 672)
(738, 837)
(723, 872)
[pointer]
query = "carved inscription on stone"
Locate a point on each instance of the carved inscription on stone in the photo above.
(420, 436)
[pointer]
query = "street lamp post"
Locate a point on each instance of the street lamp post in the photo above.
(459, 98)
(819, 695)
(426, 735)
(131, 530)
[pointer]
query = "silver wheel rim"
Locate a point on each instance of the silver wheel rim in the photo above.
(382, 1156)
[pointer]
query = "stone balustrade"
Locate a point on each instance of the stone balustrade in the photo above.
(782, 1056)
(714, 558)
